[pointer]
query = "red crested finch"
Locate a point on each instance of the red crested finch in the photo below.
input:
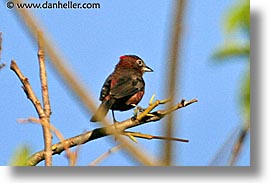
(124, 88)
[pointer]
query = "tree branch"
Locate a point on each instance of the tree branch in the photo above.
(172, 74)
(104, 131)
(28, 90)
(1, 64)
(45, 98)
(150, 137)
(39, 109)
(0, 45)
(238, 145)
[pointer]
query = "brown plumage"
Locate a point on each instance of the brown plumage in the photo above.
(124, 88)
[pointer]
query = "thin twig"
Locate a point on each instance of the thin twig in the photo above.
(150, 137)
(43, 74)
(173, 61)
(45, 98)
(0, 45)
(28, 90)
(238, 145)
(2, 64)
(105, 155)
(105, 131)
(150, 108)
(32, 97)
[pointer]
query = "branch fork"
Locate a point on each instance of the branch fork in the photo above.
(97, 133)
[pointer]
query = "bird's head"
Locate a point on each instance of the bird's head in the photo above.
(133, 62)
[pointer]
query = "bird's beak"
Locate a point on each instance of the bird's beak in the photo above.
(147, 69)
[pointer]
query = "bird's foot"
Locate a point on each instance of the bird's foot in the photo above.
(137, 110)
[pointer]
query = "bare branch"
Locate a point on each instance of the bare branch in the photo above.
(45, 98)
(39, 109)
(173, 62)
(28, 90)
(2, 64)
(150, 137)
(238, 145)
(102, 132)
(42, 117)
(0, 45)
(43, 74)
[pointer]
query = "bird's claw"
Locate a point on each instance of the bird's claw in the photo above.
(137, 110)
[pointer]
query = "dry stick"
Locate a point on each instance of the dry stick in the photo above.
(238, 145)
(42, 117)
(150, 108)
(104, 155)
(43, 74)
(102, 132)
(71, 79)
(32, 97)
(172, 76)
(45, 98)
(0, 45)
(150, 137)
(1, 65)
(28, 90)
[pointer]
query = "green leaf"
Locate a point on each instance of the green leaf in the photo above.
(20, 156)
(238, 17)
(231, 50)
(245, 97)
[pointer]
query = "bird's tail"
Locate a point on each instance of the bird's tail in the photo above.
(102, 111)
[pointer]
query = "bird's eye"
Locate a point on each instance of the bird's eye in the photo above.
(139, 62)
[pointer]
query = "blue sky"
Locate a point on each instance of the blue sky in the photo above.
(92, 41)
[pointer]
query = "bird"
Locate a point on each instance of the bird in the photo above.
(124, 87)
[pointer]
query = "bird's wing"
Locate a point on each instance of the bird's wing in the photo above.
(105, 90)
(127, 86)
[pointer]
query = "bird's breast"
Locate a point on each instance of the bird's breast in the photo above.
(136, 98)
(126, 103)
